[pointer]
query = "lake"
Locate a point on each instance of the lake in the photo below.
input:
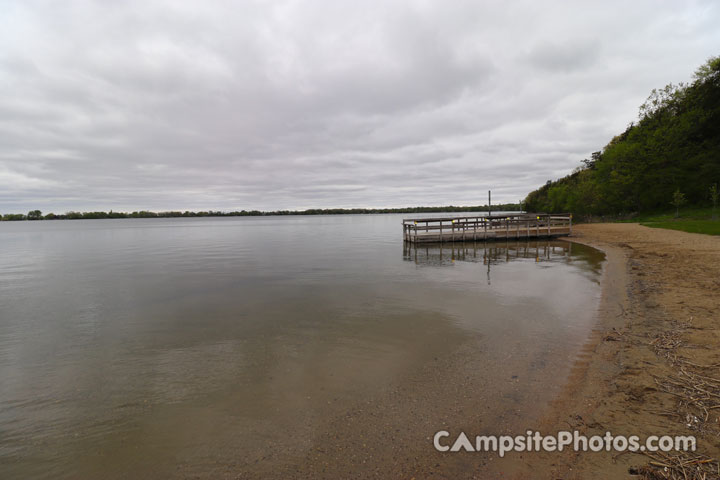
(256, 347)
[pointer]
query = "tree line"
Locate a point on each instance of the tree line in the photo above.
(38, 215)
(671, 154)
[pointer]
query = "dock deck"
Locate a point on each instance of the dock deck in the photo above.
(495, 227)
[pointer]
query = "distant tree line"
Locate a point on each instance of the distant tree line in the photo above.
(37, 214)
(671, 153)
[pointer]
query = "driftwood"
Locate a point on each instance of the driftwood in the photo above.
(679, 466)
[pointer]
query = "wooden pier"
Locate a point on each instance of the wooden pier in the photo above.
(495, 227)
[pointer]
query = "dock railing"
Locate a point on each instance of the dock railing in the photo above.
(483, 227)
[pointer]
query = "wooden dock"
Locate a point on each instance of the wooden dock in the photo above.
(495, 227)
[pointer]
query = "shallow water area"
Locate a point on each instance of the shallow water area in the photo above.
(258, 346)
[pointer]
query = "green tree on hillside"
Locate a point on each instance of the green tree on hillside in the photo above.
(674, 145)
(678, 201)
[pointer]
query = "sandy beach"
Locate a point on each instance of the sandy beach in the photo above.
(655, 343)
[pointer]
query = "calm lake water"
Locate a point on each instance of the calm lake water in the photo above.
(253, 347)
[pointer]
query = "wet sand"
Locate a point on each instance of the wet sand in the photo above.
(660, 312)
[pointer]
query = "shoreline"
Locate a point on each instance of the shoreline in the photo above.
(657, 319)
(36, 215)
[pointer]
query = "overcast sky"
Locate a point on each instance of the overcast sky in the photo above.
(297, 104)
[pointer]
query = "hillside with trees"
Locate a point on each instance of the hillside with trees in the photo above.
(673, 149)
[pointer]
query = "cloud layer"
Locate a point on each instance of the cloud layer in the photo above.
(299, 104)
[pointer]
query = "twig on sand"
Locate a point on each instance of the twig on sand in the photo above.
(679, 466)
(697, 401)
(697, 396)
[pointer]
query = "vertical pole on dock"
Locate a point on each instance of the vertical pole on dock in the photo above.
(549, 221)
(489, 203)
(570, 225)
(441, 236)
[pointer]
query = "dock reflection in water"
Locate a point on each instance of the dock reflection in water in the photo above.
(498, 253)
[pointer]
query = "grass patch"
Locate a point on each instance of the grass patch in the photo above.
(693, 220)
(708, 227)
(669, 215)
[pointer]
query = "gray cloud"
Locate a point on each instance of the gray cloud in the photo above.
(576, 55)
(292, 104)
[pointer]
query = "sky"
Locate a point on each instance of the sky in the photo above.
(231, 105)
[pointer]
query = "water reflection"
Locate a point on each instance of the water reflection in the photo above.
(178, 348)
(498, 253)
